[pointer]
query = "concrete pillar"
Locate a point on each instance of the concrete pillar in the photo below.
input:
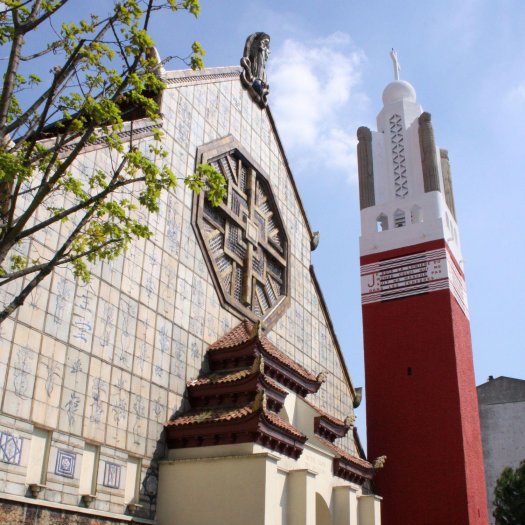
(369, 509)
(274, 487)
(345, 505)
(301, 497)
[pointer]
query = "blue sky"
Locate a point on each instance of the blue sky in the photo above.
(329, 65)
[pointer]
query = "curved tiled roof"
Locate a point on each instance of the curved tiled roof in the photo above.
(243, 333)
(362, 463)
(211, 415)
(274, 385)
(220, 415)
(236, 337)
(216, 378)
(328, 416)
(252, 422)
(219, 378)
(281, 423)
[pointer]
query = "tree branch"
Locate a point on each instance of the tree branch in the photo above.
(9, 83)
(84, 204)
(7, 278)
(51, 47)
(35, 22)
(48, 95)
(44, 272)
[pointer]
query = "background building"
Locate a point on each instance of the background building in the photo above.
(502, 416)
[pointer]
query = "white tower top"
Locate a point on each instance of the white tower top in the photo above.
(404, 179)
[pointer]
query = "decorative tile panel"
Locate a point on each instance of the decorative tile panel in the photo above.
(65, 464)
(413, 275)
(10, 448)
(398, 156)
(112, 475)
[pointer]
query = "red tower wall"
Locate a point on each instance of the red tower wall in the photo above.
(422, 408)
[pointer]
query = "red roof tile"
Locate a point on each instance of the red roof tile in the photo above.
(333, 419)
(243, 333)
(225, 377)
(283, 358)
(211, 415)
(239, 335)
(281, 423)
(363, 463)
(219, 415)
(275, 385)
(221, 377)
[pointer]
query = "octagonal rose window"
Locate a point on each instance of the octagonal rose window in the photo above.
(243, 238)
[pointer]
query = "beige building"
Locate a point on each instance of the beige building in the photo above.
(196, 379)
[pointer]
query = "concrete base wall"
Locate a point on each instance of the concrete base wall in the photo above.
(215, 490)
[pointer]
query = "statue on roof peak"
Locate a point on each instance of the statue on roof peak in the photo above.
(253, 62)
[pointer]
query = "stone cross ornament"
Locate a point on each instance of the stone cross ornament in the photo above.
(253, 63)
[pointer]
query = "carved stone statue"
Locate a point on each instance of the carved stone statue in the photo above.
(350, 420)
(260, 402)
(257, 329)
(322, 376)
(253, 62)
(315, 240)
(258, 364)
(397, 67)
(379, 462)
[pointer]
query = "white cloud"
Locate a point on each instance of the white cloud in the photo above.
(517, 94)
(314, 96)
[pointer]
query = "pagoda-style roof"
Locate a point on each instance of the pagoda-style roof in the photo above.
(327, 426)
(238, 401)
(234, 387)
(349, 467)
(238, 347)
(251, 423)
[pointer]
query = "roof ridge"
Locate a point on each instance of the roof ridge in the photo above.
(218, 378)
(244, 333)
(190, 417)
(346, 455)
(280, 422)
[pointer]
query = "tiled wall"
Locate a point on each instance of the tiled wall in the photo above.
(106, 362)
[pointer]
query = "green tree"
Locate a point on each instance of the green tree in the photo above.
(509, 496)
(105, 73)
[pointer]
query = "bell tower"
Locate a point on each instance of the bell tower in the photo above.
(422, 410)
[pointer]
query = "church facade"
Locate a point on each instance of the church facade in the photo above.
(197, 378)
